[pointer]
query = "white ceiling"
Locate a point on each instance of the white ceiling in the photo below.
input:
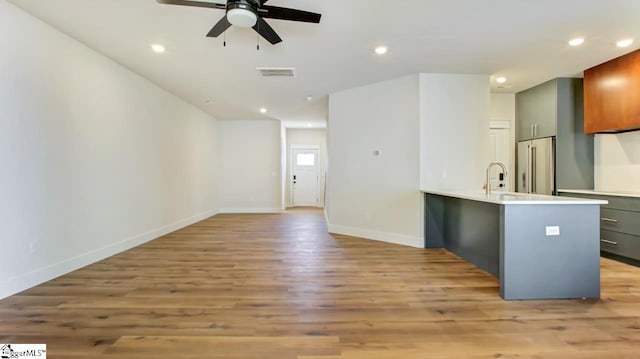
(525, 40)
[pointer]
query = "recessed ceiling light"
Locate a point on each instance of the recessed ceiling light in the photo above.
(501, 79)
(577, 41)
(263, 110)
(381, 50)
(157, 48)
(624, 43)
(309, 98)
(309, 125)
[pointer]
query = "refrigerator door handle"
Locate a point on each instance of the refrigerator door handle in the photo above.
(552, 170)
(534, 169)
(528, 185)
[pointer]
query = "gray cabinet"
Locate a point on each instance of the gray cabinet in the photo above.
(619, 224)
(555, 109)
(621, 244)
(620, 221)
(546, 109)
(525, 108)
(537, 111)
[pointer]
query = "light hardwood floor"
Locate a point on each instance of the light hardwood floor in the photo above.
(279, 286)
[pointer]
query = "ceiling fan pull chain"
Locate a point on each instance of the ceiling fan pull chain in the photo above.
(224, 41)
(258, 38)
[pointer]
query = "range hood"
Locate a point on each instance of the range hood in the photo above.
(612, 95)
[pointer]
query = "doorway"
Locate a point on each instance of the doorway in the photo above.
(305, 176)
(305, 139)
(500, 144)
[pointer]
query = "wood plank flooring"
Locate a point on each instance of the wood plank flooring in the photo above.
(279, 286)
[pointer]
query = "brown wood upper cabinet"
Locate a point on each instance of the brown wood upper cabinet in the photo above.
(612, 95)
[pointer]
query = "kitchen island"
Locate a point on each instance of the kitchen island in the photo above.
(539, 247)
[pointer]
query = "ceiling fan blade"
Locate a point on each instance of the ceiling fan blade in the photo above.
(220, 27)
(193, 3)
(283, 13)
(266, 31)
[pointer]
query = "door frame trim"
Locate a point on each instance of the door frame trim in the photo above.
(499, 124)
(511, 125)
(318, 170)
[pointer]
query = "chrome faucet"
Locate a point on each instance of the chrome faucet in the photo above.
(487, 185)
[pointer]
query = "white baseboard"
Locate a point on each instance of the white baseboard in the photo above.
(250, 210)
(318, 206)
(387, 237)
(31, 279)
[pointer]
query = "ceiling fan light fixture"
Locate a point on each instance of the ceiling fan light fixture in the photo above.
(249, 13)
(242, 17)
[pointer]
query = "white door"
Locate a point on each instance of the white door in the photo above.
(304, 171)
(500, 152)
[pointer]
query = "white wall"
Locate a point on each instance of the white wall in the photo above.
(313, 137)
(370, 196)
(95, 159)
(250, 166)
(617, 162)
(503, 108)
(454, 131)
(425, 126)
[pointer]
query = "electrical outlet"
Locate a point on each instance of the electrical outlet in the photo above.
(553, 231)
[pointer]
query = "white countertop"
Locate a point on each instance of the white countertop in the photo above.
(509, 198)
(602, 193)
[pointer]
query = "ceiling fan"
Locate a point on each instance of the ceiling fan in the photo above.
(250, 13)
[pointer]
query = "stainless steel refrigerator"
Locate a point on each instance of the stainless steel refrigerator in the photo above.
(536, 166)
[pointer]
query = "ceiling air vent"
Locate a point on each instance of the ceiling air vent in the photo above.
(277, 71)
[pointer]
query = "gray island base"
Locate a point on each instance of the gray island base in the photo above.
(539, 247)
